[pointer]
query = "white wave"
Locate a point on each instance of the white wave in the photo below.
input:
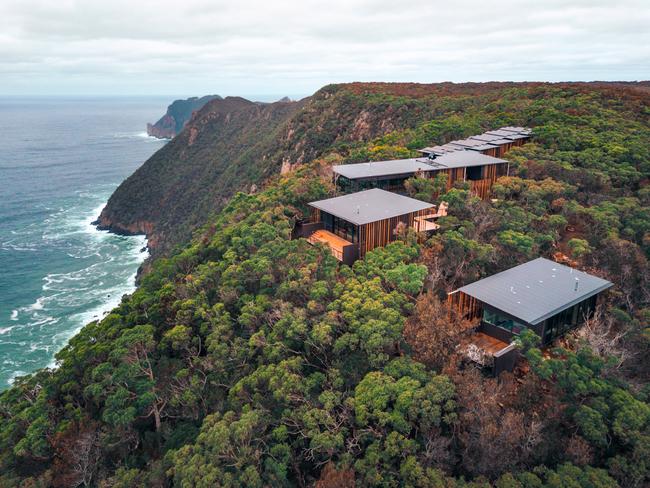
(70, 300)
(97, 313)
(10, 246)
(15, 375)
(37, 305)
(40, 321)
(137, 135)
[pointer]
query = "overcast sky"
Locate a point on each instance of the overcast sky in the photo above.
(270, 47)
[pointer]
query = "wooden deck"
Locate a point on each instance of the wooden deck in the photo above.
(422, 224)
(335, 243)
(488, 344)
(483, 349)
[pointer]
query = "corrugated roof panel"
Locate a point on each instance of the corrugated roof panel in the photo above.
(504, 135)
(465, 159)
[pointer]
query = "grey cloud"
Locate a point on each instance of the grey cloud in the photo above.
(255, 46)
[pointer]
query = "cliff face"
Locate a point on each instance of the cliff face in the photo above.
(225, 147)
(178, 114)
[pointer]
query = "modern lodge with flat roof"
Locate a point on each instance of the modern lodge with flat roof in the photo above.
(491, 143)
(541, 295)
(479, 170)
(353, 224)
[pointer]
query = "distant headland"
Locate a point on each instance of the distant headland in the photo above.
(177, 115)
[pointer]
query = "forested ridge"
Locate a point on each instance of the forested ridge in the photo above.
(250, 359)
(234, 144)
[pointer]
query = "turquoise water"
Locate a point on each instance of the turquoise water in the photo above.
(60, 159)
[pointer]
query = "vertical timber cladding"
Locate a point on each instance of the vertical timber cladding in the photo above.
(491, 152)
(382, 232)
(454, 175)
(466, 306)
(481, 188)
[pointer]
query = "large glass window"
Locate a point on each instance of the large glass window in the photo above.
(345, 184)
(567, 319)
(474, 173)
(494, 318)
(340, 227)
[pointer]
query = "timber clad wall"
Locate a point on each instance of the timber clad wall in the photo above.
(315, 215)
(481, 188)
(467, 307)
(380, 233)
(515, 143)
(454, 175)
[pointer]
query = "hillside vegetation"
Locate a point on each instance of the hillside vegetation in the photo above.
(233, 144)
(249, 359)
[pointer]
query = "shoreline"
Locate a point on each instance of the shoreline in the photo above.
(113, 297)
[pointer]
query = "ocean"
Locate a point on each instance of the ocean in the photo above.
(60, 160)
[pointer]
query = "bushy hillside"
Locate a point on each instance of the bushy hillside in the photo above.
(233, 144)
(249, 359)
(221, 150)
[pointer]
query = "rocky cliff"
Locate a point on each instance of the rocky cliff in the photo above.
(225, 147)
(177, 115)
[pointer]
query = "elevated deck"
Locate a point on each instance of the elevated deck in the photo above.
(336, 244)
(487, 343)
(424, 224)
(490, 352)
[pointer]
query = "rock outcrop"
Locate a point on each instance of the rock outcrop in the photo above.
(178, 115)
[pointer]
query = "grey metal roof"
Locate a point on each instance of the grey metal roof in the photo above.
(383, 168)
(515, 137)
(379, 169)
(451, 147)
(500, 132)
(368, 206)
(465, 159)
(521, 130)
(443, 149)
(504, 135)
(536, 290)
(482, 147)
(467, 142)
(500, 142)
(486, 137)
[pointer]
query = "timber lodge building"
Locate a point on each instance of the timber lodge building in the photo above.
(373, 204)
(541, 295)
(479, 170)
(353, 224)
(475, 160)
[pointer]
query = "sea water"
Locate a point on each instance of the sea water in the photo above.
(60, 159)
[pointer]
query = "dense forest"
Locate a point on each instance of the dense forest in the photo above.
(246, 358)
